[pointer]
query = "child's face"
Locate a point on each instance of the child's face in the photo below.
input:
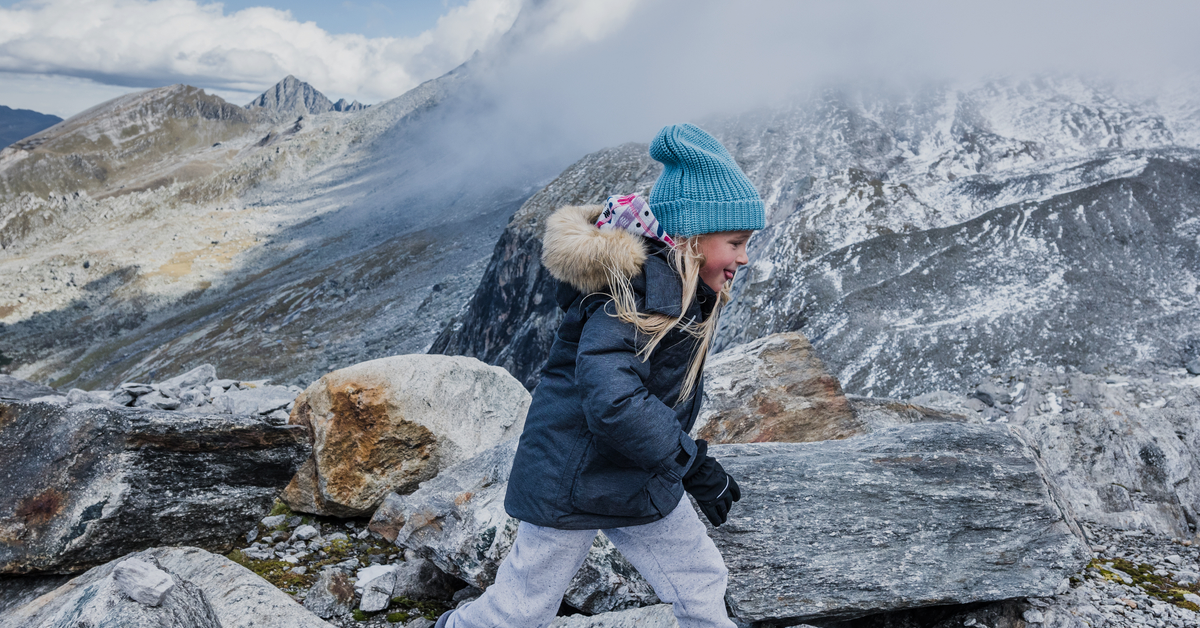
(724, 253)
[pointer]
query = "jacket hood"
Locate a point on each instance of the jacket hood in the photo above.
(578, 254)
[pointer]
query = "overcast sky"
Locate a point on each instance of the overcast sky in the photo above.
(664, 56)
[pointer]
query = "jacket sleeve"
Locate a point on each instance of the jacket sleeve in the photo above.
(619, 409)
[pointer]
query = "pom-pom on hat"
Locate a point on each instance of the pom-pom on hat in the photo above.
(701, 189)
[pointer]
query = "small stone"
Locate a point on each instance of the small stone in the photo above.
(300, 571)
(363, 535)
(1174, 559)
(338, 536)
(420, 622)
(76, 395)
(970, 621)
(121, 397)
(304, 533)
(376, 592)
(1192, 597)
(420, 579)
(192, 399)
(1193, 366)
(143, 582)
(290, 559)
(472, 592)
(1033, 616)
(294, 521)
(157, 401)
(333, 594)
(251, 535)
(137, 390)
(273, 520)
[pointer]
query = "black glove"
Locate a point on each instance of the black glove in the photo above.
(713, 489)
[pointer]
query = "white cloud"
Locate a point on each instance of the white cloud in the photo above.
(149, 43)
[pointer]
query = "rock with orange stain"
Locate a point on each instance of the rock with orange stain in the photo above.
(774, 389)
(390, 424)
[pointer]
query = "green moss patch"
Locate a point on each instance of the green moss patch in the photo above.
(413, 608)
(1163, 588)
(277, 572)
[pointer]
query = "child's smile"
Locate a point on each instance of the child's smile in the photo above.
(724, 252)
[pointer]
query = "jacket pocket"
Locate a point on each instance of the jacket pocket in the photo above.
(603, 487)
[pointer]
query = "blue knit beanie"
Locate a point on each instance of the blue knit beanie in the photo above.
(701, 189)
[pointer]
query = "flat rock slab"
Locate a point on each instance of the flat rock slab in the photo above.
(87, 483)
(910, 516)
(97, 598)
(238, 596)
(212, 591)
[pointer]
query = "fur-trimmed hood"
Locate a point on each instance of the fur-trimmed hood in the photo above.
(577, 254)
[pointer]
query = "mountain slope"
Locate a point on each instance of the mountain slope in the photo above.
(869, 168)
(268, 249)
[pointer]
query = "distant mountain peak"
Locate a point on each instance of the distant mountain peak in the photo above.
(17, 124)
(292, 96)
(342, 105)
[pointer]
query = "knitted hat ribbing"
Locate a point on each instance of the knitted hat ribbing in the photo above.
(701, 189)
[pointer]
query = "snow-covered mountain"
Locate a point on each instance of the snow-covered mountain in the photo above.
(923, 238)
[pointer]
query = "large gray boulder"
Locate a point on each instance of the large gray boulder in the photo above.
(100, 598)
(907, 516)
(910, 516)
(774, 389)
(211, 591)
(87, 483)
(392, 423)
(238, 596)
(457, 521)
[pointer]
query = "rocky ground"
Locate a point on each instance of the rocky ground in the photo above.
(1136, 579)
(290, 550)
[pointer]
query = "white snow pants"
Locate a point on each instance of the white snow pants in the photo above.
(673, 554)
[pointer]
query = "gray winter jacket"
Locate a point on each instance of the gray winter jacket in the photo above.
(605, 444)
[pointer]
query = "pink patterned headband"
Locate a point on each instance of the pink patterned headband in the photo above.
(632, 213)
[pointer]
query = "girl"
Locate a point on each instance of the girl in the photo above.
(606, 442)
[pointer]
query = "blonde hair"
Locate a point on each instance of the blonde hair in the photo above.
(687, 260)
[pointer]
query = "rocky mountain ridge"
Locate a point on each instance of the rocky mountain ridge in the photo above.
(168, 229)
(934, 231)
(292, 98)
